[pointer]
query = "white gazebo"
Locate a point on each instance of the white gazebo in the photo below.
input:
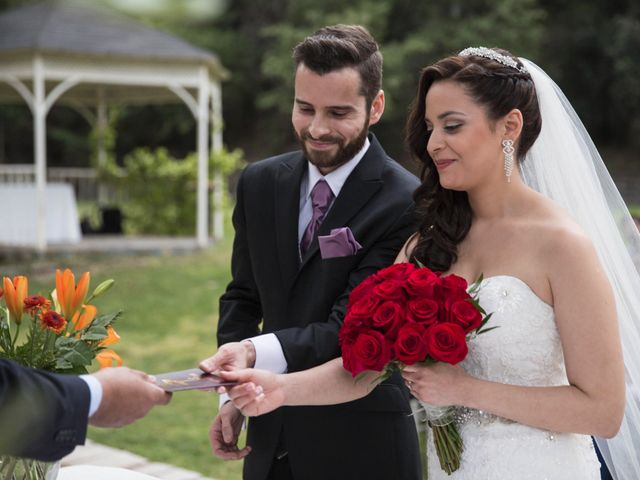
(75, 54)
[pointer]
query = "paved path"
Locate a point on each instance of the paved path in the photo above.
(100, 455)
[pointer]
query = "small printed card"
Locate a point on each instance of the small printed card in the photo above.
(192, 379)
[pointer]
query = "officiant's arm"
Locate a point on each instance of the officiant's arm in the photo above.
(261, 391)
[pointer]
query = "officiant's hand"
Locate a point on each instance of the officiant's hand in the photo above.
(258, 392)
(224, 433)
(127, 395)
(230, 356)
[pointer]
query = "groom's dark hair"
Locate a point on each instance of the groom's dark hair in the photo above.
(339, 46)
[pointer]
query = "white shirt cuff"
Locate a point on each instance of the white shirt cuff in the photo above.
(224, 398)
(95, 389)
(269, 354)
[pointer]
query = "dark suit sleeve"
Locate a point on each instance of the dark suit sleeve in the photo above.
(240, 309)
(316, 343)
(42, 415)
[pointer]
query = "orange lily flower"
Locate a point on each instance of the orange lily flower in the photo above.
(70, 296)
(15, 293)
(111, 338)
(82, 320)
(106, 358)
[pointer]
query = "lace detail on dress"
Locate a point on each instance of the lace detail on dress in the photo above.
(525, 350)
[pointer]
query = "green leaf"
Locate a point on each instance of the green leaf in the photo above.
(480, 332)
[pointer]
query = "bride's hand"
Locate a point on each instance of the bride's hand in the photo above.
(257, 393)
(436, 384)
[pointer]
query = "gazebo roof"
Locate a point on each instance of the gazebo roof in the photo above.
(71, 27)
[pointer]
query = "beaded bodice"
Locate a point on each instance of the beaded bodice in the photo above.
(525, 350)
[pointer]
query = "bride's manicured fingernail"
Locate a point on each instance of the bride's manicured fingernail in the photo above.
(259, 390)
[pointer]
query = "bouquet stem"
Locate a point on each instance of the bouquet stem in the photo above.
(448, 446)
(446, 437)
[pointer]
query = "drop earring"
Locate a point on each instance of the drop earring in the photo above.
(507, 149)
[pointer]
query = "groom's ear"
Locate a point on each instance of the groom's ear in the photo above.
(512, 124)
(377, 108)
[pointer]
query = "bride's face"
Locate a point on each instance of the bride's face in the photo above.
(464, 145)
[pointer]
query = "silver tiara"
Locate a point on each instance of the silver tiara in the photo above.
(493, 55)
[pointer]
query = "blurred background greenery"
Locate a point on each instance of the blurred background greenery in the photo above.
(589, 47)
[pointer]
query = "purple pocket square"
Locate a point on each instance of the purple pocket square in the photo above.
(339, 243)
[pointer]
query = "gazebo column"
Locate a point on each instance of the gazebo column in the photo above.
(40, 151)
(203, 157)
(216, 146)
(101, 127)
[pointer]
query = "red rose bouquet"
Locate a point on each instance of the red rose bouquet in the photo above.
(405, 314)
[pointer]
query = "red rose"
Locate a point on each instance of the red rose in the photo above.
(370, 351)
(388, 318)
(466, 315)
(422, 282)
(390, 290)
(365, 307)
(398, 271)
(53, 321)
(411, 344)
(423, 311)
(454, 281)
(363, 289)
(347, 336)
(451, 289)
(446, 342)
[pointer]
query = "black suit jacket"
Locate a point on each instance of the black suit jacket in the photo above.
(302, 301)
(42, 415)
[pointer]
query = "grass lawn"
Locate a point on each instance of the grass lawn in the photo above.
(170, 306)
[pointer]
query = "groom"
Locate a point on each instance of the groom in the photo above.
(310, 225)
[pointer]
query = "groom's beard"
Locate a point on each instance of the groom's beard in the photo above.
(345, 152)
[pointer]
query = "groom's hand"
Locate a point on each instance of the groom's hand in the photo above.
(231, 356)
(224, 434)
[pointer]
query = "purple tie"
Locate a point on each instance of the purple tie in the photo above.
(321, 196)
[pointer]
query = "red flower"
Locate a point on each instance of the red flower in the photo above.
(398, 271)
(33, 303)
(423, 310)
(451, 289)
(388, 318)
(466, 315)
(411, 344)
(364, 308)
(422, 282)
(446, 342)
(370, 351)
(390, 290)
(53, 321)
(363, 289)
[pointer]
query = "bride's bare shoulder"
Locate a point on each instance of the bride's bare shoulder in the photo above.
(558, 234)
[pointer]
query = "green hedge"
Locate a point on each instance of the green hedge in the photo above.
(159, 191)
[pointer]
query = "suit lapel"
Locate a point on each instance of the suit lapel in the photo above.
(287, 209)
(361, 185)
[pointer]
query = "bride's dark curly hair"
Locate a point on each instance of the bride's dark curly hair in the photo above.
(445, 215)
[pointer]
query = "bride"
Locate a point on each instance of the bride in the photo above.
(512, 189)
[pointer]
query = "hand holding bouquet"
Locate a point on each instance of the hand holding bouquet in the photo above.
(405, 314)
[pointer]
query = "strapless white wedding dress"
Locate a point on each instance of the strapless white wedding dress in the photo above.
(525, 350)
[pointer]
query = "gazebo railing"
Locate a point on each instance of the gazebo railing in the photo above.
(84, 180)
